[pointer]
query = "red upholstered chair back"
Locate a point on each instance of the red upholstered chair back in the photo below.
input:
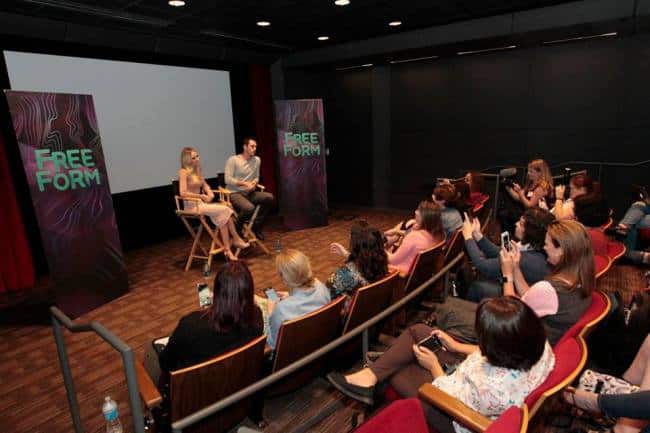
(602, 264)
(570, 358)
(600, 305)
(401, 416)
(513, 420)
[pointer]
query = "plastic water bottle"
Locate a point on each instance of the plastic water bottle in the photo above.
(111, 415)
(206, 270)
(278, 246)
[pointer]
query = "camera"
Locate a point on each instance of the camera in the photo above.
(508, 182)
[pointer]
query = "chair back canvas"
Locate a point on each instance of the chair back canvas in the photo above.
(427, 263)
(370, 300)
(198, 386)
(300, 337)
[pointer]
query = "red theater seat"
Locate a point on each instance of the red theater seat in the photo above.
(401, 416)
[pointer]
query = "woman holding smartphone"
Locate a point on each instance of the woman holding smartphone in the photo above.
(232, 320)
(511, 359)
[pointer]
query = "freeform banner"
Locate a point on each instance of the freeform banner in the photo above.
(62, 155)
(300, 132)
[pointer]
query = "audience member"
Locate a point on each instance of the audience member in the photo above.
(446, 196)
(232, 320)
(530, 231)
(475, 181)
(512, 358)
(637, 217)
(306, 293)
(365, 263)
(539, 185)
(630, 409)
(562, 297)
(580, 185)
(426, 232)
(191, 184)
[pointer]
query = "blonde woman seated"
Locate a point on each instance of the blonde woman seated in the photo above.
(539, 185)
(191, 184)
(306, 293)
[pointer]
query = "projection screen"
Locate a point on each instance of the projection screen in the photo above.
(146, 113)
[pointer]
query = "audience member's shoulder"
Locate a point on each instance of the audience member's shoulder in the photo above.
(192, 318)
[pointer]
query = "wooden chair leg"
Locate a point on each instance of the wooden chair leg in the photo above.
(195, 244)
(249, 235)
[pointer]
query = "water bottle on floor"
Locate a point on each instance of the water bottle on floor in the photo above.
(111, 415)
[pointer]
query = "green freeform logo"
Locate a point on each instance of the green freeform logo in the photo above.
(300, 145)
(73, 169)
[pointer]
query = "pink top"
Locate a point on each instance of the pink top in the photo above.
(542, 298)
(414, 242)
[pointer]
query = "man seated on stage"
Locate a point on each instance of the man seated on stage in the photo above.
(242, 175)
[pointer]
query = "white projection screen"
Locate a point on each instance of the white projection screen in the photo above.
(146, 113)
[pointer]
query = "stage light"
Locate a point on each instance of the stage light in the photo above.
(176, 3)
(395, 23)
(323, 38)
(581, 38)
(341, 2)
(263, 23)
(488, 50)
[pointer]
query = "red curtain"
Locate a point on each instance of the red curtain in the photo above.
(16, 267)
(262, 107)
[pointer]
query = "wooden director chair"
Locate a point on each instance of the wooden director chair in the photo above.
(247, 228)
(197, 224)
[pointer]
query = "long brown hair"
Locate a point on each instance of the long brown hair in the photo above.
(576, 265)
(233, 306)
(431, 221)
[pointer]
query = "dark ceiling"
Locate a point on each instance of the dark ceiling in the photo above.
(295, 24)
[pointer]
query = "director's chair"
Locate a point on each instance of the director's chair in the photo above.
(197, 229)
(247, 228)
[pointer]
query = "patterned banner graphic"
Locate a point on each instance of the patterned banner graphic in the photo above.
(62, 154)
(300, 132)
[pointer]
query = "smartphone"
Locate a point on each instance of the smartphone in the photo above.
(449, 368)
(271, 294)
(205, 295)
(505, 241)
(432, 343)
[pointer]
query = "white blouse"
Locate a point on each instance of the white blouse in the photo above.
(491, 390)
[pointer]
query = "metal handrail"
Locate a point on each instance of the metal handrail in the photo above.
(179, 425)
(59, 319)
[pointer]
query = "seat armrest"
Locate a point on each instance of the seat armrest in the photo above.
(148, 390)
(454, 408)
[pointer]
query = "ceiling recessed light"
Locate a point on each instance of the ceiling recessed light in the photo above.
(263, 23)
(395, 23)
(341, 2)
(323, 38)
(176, 3)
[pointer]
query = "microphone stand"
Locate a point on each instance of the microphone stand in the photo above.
(496, 176)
